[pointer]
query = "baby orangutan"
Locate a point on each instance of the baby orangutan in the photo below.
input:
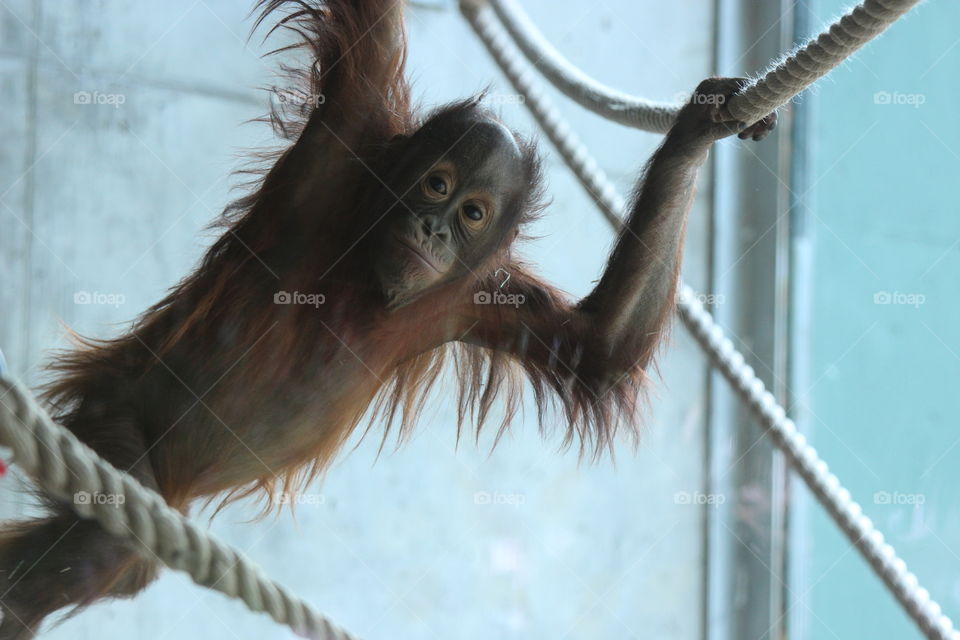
(397, 227)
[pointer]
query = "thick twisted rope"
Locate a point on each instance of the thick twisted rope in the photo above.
(64, 466)
(620, 107)
(778, 86)
(802, 457)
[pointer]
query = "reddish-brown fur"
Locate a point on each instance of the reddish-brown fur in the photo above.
(216, 389)
(219, 393)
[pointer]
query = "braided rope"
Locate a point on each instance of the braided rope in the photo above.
(778, 86)
(802, 457)
(625, 109)
(64, 466)
(806, 462)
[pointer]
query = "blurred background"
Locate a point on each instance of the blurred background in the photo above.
(830, 253)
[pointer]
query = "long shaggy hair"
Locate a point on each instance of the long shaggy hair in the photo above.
(217, 339)
(589, 408)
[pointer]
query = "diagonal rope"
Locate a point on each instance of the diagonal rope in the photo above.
(778, 86)
(64, 466)
(802, 457)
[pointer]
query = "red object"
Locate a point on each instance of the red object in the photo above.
(3, 468)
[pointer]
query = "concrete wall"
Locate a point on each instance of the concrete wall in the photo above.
(112, 199)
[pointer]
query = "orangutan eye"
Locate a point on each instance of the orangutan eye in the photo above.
(473, 212)
(474, 215)
(437, 184)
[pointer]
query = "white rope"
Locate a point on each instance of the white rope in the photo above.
(777, 87)
(612, 104)
(64, 466)
(802, 457)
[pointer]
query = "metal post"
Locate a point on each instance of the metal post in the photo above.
(747, 532)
